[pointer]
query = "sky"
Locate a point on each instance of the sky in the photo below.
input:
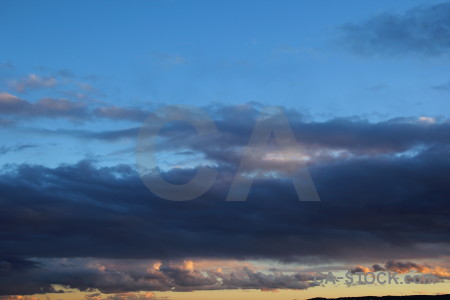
(361, 93)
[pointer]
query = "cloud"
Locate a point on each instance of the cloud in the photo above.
(335, 139)
(66, 73)
(406, 267)
(131, 296)
(10, 104)
(52, 108)
(32, 82)
(442, 87)
(63, 108)
(124, 280)
(120, 113)
(16, 148)
(7, 66)
(383, 204)
(6, 122)
(384, 196)
(169, 59)
(423, 30)
(45, 108)
(325, 140)
(21, 297)
(94, 296)
(13, 270)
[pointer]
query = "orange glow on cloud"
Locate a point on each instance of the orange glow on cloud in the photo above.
(407, 267)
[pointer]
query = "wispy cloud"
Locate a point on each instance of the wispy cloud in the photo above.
(423, 30)
(13, 106)
(442, 87)
(45, 108)
(165, 58)
(16, 148)
(32, 82)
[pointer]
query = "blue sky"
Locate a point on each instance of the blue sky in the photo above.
(153, 53)
(205, 52)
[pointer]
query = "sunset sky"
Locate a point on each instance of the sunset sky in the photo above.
(364, 87)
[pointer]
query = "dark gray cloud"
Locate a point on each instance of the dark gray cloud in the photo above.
(389, 206)
(423, 30)
(14, 273)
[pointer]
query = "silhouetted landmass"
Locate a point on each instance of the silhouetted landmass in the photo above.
(413, 297)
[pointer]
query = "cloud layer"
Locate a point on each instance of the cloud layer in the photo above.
(120, 277)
